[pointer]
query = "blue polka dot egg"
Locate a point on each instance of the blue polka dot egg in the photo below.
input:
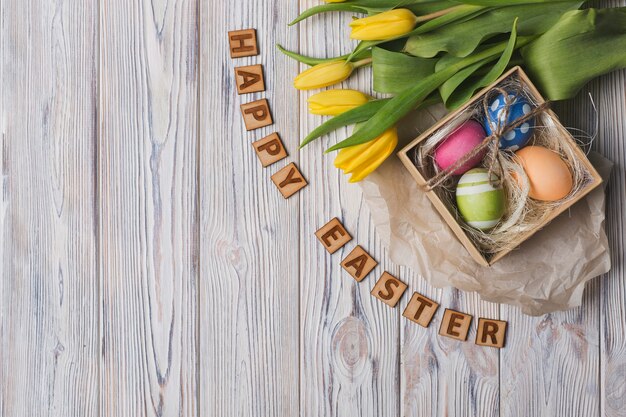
(516, 138)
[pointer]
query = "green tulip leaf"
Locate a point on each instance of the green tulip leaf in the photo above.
(463, 38)
(308, 60)
(582, 45)
(394, 72)
(397, 107)
(350, 117)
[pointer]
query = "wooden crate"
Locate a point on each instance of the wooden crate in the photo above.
(444, 211)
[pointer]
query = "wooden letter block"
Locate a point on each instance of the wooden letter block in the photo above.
(491, 333)
(420, 309)
(242, 43)
(289, 180)
(333, 235)
(389, 289)
(249, 79)
(455, 324)
(359, 263)
(256, 114)
(270, 149)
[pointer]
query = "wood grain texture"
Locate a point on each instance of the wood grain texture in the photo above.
(349, 339)
(148, 200)
(49, 345)
(249, 261)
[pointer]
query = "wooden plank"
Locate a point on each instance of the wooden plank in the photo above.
(349, 339)
(148, 215)
(443, 376)
(611, 101)
(249, 258)
(49, 345)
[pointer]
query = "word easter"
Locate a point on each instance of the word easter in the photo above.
(389, 290)
(256, 114)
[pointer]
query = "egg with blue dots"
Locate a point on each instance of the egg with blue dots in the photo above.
(519, 107)
(481, 202)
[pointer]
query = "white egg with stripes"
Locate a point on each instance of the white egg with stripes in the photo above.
(480, 203)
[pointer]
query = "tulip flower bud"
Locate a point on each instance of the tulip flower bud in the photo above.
(323, 75)
(384, 25)
(361, 160)
(334, 102)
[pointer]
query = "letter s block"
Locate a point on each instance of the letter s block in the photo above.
(242, 43)
(491, 332)
(256, 114)
(333, 235)
(270, 149)
(420, 309)
(455, 324)
(289, 180)
(389, 289)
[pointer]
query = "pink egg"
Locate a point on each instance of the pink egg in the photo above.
(460, 142)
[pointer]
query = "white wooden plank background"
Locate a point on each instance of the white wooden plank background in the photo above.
(151, 268)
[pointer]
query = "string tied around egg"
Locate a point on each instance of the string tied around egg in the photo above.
(492, 141)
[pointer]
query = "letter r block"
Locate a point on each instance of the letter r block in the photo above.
(289, 180)
(455, 324)
(256, 114)
(242, 43)
(270, 149)
(389, 289)
(491, 332)
(420, 309)
(333, 235)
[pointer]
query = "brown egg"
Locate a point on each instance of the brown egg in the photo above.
(550, 178)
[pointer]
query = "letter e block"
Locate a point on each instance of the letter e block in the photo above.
(491, 332)
(359, 263)
(270, 149)
(249, 79)
(389, 289)
(455, 324)
(289, 180)
(420, 309)
(333, 235)
(242, 43)
(256, 114)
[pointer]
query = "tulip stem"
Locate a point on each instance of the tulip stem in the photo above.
(440, 13)
(362, 63)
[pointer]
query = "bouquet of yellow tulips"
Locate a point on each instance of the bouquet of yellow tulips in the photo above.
(428, 51)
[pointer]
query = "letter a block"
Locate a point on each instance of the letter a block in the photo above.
(256, 114)
(389, 289)
(242, 43)
(289, 180)
(420, 309)
(333, 235)
(249, 79)
(491, 333)
(455, 324)
(270, 149)
(359, 263)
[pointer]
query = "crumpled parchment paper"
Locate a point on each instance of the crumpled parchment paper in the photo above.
(546, 273)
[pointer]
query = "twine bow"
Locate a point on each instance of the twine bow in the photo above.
(492, 142)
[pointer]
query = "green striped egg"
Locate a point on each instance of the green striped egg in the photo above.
(480, 204)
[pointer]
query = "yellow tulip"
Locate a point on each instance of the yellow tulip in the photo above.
(361, 160)
(334, 102)
(323, 75)
(384, 25)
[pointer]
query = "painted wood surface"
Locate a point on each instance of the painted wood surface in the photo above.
(148, 207)
(49, 297)
(151, 267)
